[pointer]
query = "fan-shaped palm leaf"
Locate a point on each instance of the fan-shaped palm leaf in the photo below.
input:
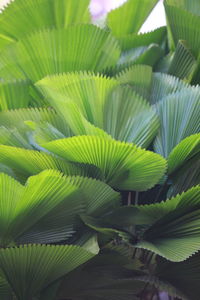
(128, 117)
(14, 94)
(146, 55)
(103, 103)
(152, 86)
(177, 18)
(79, 47)
(30, 162)
(183, 152)
(134, 40)
(5, 290)
(49, 202)
(183, 64)
(86, 90)
(139, 77)
(124, 165)
(175, 236)
(120, 20)
(39, 265)
(18, 119)
(21, 17)
(179, 115)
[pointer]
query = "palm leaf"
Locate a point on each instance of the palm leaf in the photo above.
(93, 197)
(20, 118)
(163, 85)
(5, 290)
(46, 208)
(146, 55)
(183, 64)
(22, 207)
(30, 162)
(134, 40)
(186, 176)
(128, 117)
(177, 18)
(20, 18)
(179, 115)
(120, 20)
(103, 104)
(52, 263)
(191, 5)
(124, 165)
(14, 94)
(79, 47)
(183, 152)
(139, 77)
(87, 90)
(175, 236)
(183, 164)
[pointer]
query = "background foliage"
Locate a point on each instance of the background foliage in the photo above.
(99, 152)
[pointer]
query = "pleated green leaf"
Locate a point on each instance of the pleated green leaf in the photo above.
(20, 118)
(14, 94)
(183, 64)
(93, 197)
(5, 290)
(191, 5)
(146, 55)
(12, 137)
(22, 17)
(176, 235)
(163, 85)
(139, 77)
(22, 207)
(128, 117)
(179, 115)
(31, 268)
(177, 18)
(120, 20)
(80, 47)
(30, 162)
(104, 104)
(184, 276)
(124, 165)
(87, 90)
(133, 40)
(46, 208)
(183, 152)
(105, 228)
(186, 176)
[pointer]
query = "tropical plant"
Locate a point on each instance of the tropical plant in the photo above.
(100, 152)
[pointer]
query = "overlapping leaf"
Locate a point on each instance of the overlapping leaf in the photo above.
(179, 115)
(14, 94)
(39, 265)
(175, 235)
(183, 64)
(48, 205)
(79, 47)
(134, 40)
(22, 17)
(124, 165)
(116, 109)
(177, 18)
(120, 20)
